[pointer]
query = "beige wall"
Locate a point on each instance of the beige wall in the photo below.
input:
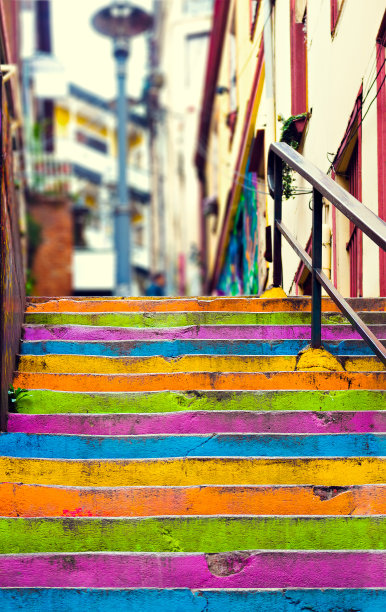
(337, 66)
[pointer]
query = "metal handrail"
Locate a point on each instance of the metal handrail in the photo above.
(358, 213)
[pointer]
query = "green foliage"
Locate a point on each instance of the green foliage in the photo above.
(289, 136)
(288, 131)
(14, 396)
(30, 282)
(34, 232)
(34, 238)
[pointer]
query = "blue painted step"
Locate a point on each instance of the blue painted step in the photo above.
(184, 600)
(187, 347)
(211, 445)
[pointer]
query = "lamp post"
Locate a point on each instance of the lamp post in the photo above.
(121, 21)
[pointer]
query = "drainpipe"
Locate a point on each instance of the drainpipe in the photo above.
(270, 128)
(326, 250)
(326, 242)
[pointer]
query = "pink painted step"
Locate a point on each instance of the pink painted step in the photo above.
(200, 422)
(266, 570)
(204, 332)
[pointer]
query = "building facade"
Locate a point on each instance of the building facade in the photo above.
(86, 144)
(180, 50)
(310, 73)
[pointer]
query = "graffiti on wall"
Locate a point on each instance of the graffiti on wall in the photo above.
(240, 272)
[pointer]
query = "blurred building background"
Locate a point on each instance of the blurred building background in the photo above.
(221, 81)
(72, 158)
(179, 51)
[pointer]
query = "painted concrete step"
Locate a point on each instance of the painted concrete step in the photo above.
(178, 600)
(206, 304)
(199, 422)
(211, 534)
(49, 500)
(194, 471)
(209, 445)
(201, 381)
(86, 364)
(244, 569)
(132, 348)
(51, 402)
(89, 333)
(183, 319)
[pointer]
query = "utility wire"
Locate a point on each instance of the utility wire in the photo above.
(363, 117)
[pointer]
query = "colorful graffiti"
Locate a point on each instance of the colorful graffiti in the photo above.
(240, 273)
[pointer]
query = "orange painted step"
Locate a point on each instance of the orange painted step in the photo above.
(203, 304)
(40, 500)
(202, 381)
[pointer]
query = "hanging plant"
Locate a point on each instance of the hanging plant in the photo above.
(291, 133)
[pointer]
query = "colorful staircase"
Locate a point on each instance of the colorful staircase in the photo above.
(180, 454)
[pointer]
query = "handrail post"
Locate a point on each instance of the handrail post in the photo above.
(316, 321)
(277, 265)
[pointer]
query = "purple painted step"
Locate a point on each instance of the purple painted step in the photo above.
(204, 332)
(200, 422)
(268, 570)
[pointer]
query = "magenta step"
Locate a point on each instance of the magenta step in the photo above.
(200, 422)
(204, 332)
(244, 570)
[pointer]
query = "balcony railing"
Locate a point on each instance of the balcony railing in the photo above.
(49, 175)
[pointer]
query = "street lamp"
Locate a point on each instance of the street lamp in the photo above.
(121, 21)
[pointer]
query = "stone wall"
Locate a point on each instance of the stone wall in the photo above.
(12, 283)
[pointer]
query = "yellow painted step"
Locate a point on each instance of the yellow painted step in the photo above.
(78, 364)
(194, 471)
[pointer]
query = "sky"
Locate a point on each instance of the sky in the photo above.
(86, 55)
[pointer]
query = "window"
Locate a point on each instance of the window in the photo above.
(196, 49)
(254, 6)
(198, 7)
(336, 9)
(90, 141)
(354, 245)
(298, 39)
(348, 171)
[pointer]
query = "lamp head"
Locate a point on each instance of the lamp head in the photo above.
(121, 20)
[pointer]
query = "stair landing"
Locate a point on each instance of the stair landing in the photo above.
(171, 454)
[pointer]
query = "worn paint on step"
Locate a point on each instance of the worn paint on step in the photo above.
(183, 319)
(50, 402)
(41, 500)
(209, 445)
(204, 332)
(178, 600)
(223, 304)
(190, 363)
(268, 570)
(201, 380)
(131, 348)
(194, 471)
(190, 534)
(199, 422)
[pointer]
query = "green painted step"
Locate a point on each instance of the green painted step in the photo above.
(47, 402)
(190, 534)
(183, 319)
